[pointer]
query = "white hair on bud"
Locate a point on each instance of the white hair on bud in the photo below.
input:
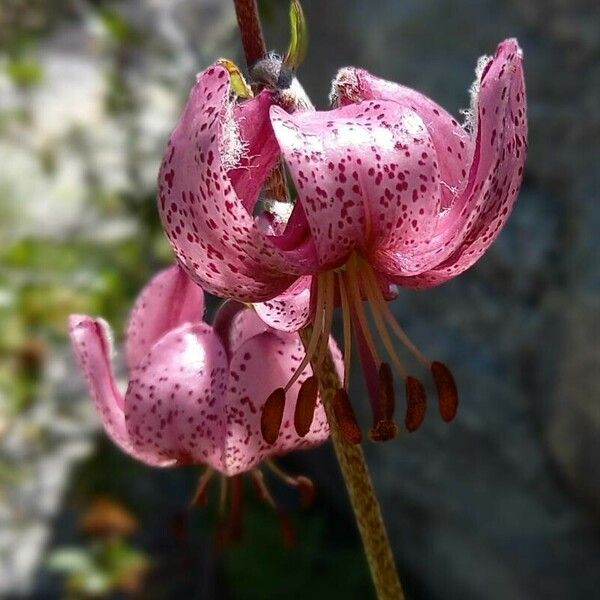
(470, 114)
(344, 84)
(231, 146)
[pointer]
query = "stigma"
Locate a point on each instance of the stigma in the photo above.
(353, 287)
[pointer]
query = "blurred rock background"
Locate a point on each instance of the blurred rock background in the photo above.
(504, 503)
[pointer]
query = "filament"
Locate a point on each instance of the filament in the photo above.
(315, 335)
(347, 329)
(381, 328)
(200, 495)
(353, 288)
(382, 306)
(329, 284)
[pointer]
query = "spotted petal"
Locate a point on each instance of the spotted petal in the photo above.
(262, 364)
(92, 346)
(174, 402)
(290, 311)
(205, 199)
(453, 146)
(496, 171)
(170, 299)
(366, 176)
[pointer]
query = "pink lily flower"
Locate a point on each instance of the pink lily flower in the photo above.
(196, 392)
(392, 191)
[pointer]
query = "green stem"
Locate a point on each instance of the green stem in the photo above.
(360, 489)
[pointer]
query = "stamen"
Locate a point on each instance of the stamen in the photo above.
(272, 416)
(288, 532)
(200, 498)
(306, 405)
(316, 332)
(305, 486)
(384, 427)
(416, 403)
(446, 389)
(345, 417)
(223, 497)
(236, 528)
(372, 295)
(329, 283)
(358, 311)
(383, 307)
(261, 489)
(347, 329)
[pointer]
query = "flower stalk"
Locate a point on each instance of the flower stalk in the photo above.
(360, 488)
(350, 456)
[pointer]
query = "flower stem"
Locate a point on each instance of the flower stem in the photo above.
(360, 489)
(350, 457)
(253, 41)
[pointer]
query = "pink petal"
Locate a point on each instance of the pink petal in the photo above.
(92, 347)
(234, 323)
(209, 226)
(170, 299)
(174, 402)
(366, 177)
(262, 364)
(497, 169)
(290, 311)
(452, 143)
(261, 148)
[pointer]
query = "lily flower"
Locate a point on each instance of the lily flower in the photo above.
(196, 392)
(391, 191)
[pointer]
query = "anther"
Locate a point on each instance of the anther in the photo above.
(416, 403)
(345, 417)
(288, 531)
(306, 405)
(272, 415)
(446, 389)
(305, 486)
(307, 491)
(384, 427)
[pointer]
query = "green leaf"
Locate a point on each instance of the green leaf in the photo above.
(70, 560)
(298, 36)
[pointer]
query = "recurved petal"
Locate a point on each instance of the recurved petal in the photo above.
(92, 346)
(291, 310)
(452, 142)
(210, 228)
(367, 178)
(170, 299)
(261, 365)
(174, 402)
(497, 169)
(237, 326)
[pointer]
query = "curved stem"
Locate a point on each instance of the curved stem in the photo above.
(360, 489)
(251, 33)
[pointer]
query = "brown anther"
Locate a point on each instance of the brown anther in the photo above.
(235, 529)
(446, 389)
(384, 427)
(288, 530)
(307, 491)
(416, 403)
(345, 417)
(272, 415)
(306, 405)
